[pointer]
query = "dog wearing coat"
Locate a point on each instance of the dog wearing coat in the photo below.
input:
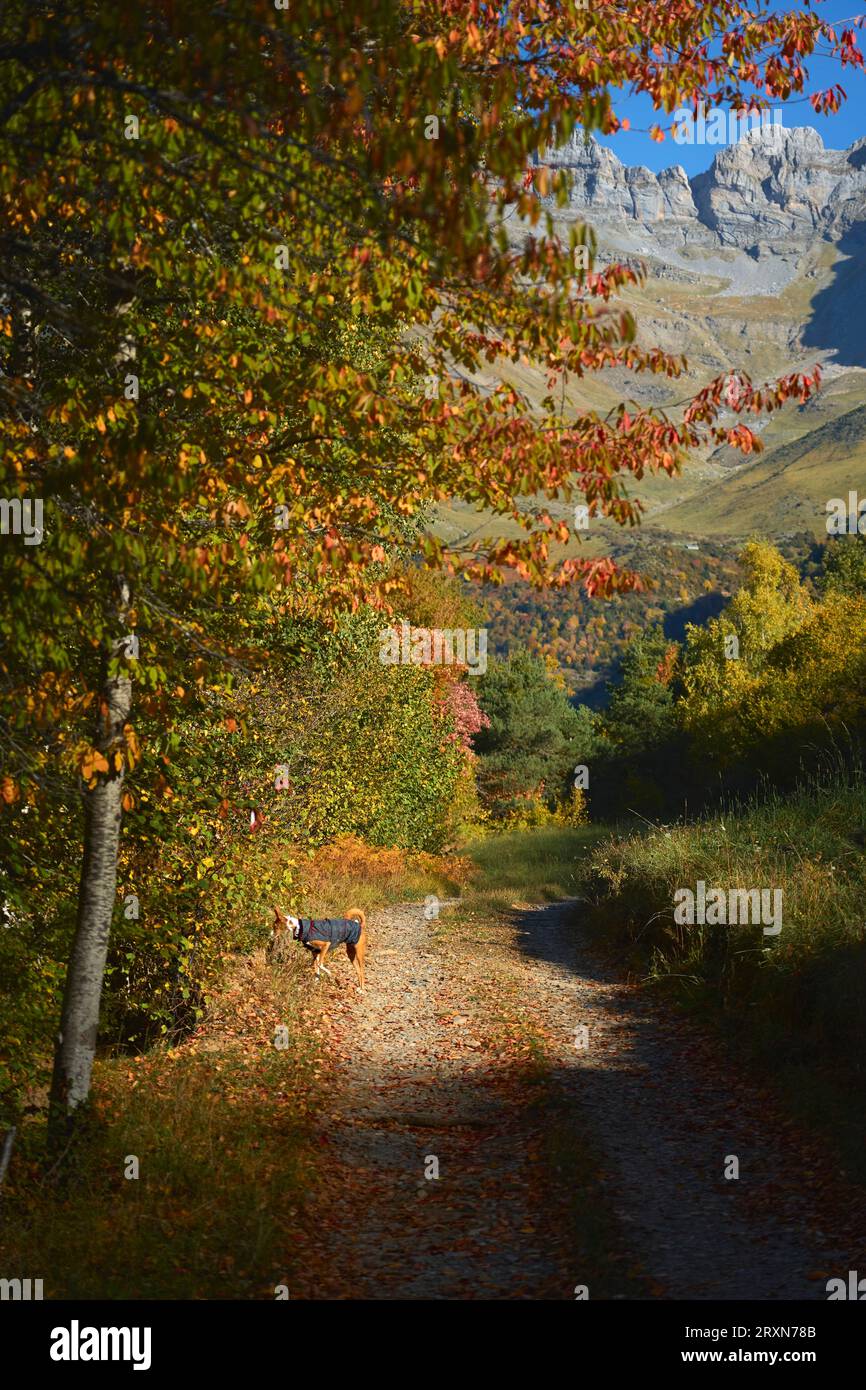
(320, 934)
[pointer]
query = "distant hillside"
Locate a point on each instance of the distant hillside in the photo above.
(587, 637)
(785, 490)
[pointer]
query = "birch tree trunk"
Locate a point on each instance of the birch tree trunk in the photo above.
(76, 1042)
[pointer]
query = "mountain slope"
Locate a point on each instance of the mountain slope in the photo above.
(758, 264)
(784, 491)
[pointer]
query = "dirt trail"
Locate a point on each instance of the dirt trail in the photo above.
(428, 1066)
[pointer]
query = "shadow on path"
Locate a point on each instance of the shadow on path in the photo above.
(671, 1115)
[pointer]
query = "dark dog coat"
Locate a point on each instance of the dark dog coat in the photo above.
(333, 929)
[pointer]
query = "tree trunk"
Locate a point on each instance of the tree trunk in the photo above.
(76, 1042)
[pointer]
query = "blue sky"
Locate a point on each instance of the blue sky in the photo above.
(837, 131)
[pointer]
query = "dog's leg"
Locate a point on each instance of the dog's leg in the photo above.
(356, 956)
(320, 958)
(362, 956)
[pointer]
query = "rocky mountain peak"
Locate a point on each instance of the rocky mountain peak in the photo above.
(602, 183)
(773, 185)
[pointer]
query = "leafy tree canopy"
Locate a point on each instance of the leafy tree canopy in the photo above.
(536, 736)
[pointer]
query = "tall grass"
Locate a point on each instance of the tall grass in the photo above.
(218, 1127)
(531, 866)
(794, 1001)
(350, 873)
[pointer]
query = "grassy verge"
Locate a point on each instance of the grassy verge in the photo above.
(220, 1125)
(218, 1130)
(792, 1003)
(529, 866)
(349, 873)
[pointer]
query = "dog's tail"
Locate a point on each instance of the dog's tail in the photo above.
(355, 914)
(274, 946)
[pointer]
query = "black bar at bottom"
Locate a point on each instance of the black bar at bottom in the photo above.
(165, 1340)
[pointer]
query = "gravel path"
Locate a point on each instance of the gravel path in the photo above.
(669, 1116)
(420, 1076)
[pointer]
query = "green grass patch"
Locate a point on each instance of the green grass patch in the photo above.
(792, 1003)
(533, 866)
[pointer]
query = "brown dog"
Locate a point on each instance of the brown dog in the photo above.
(319, 935)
